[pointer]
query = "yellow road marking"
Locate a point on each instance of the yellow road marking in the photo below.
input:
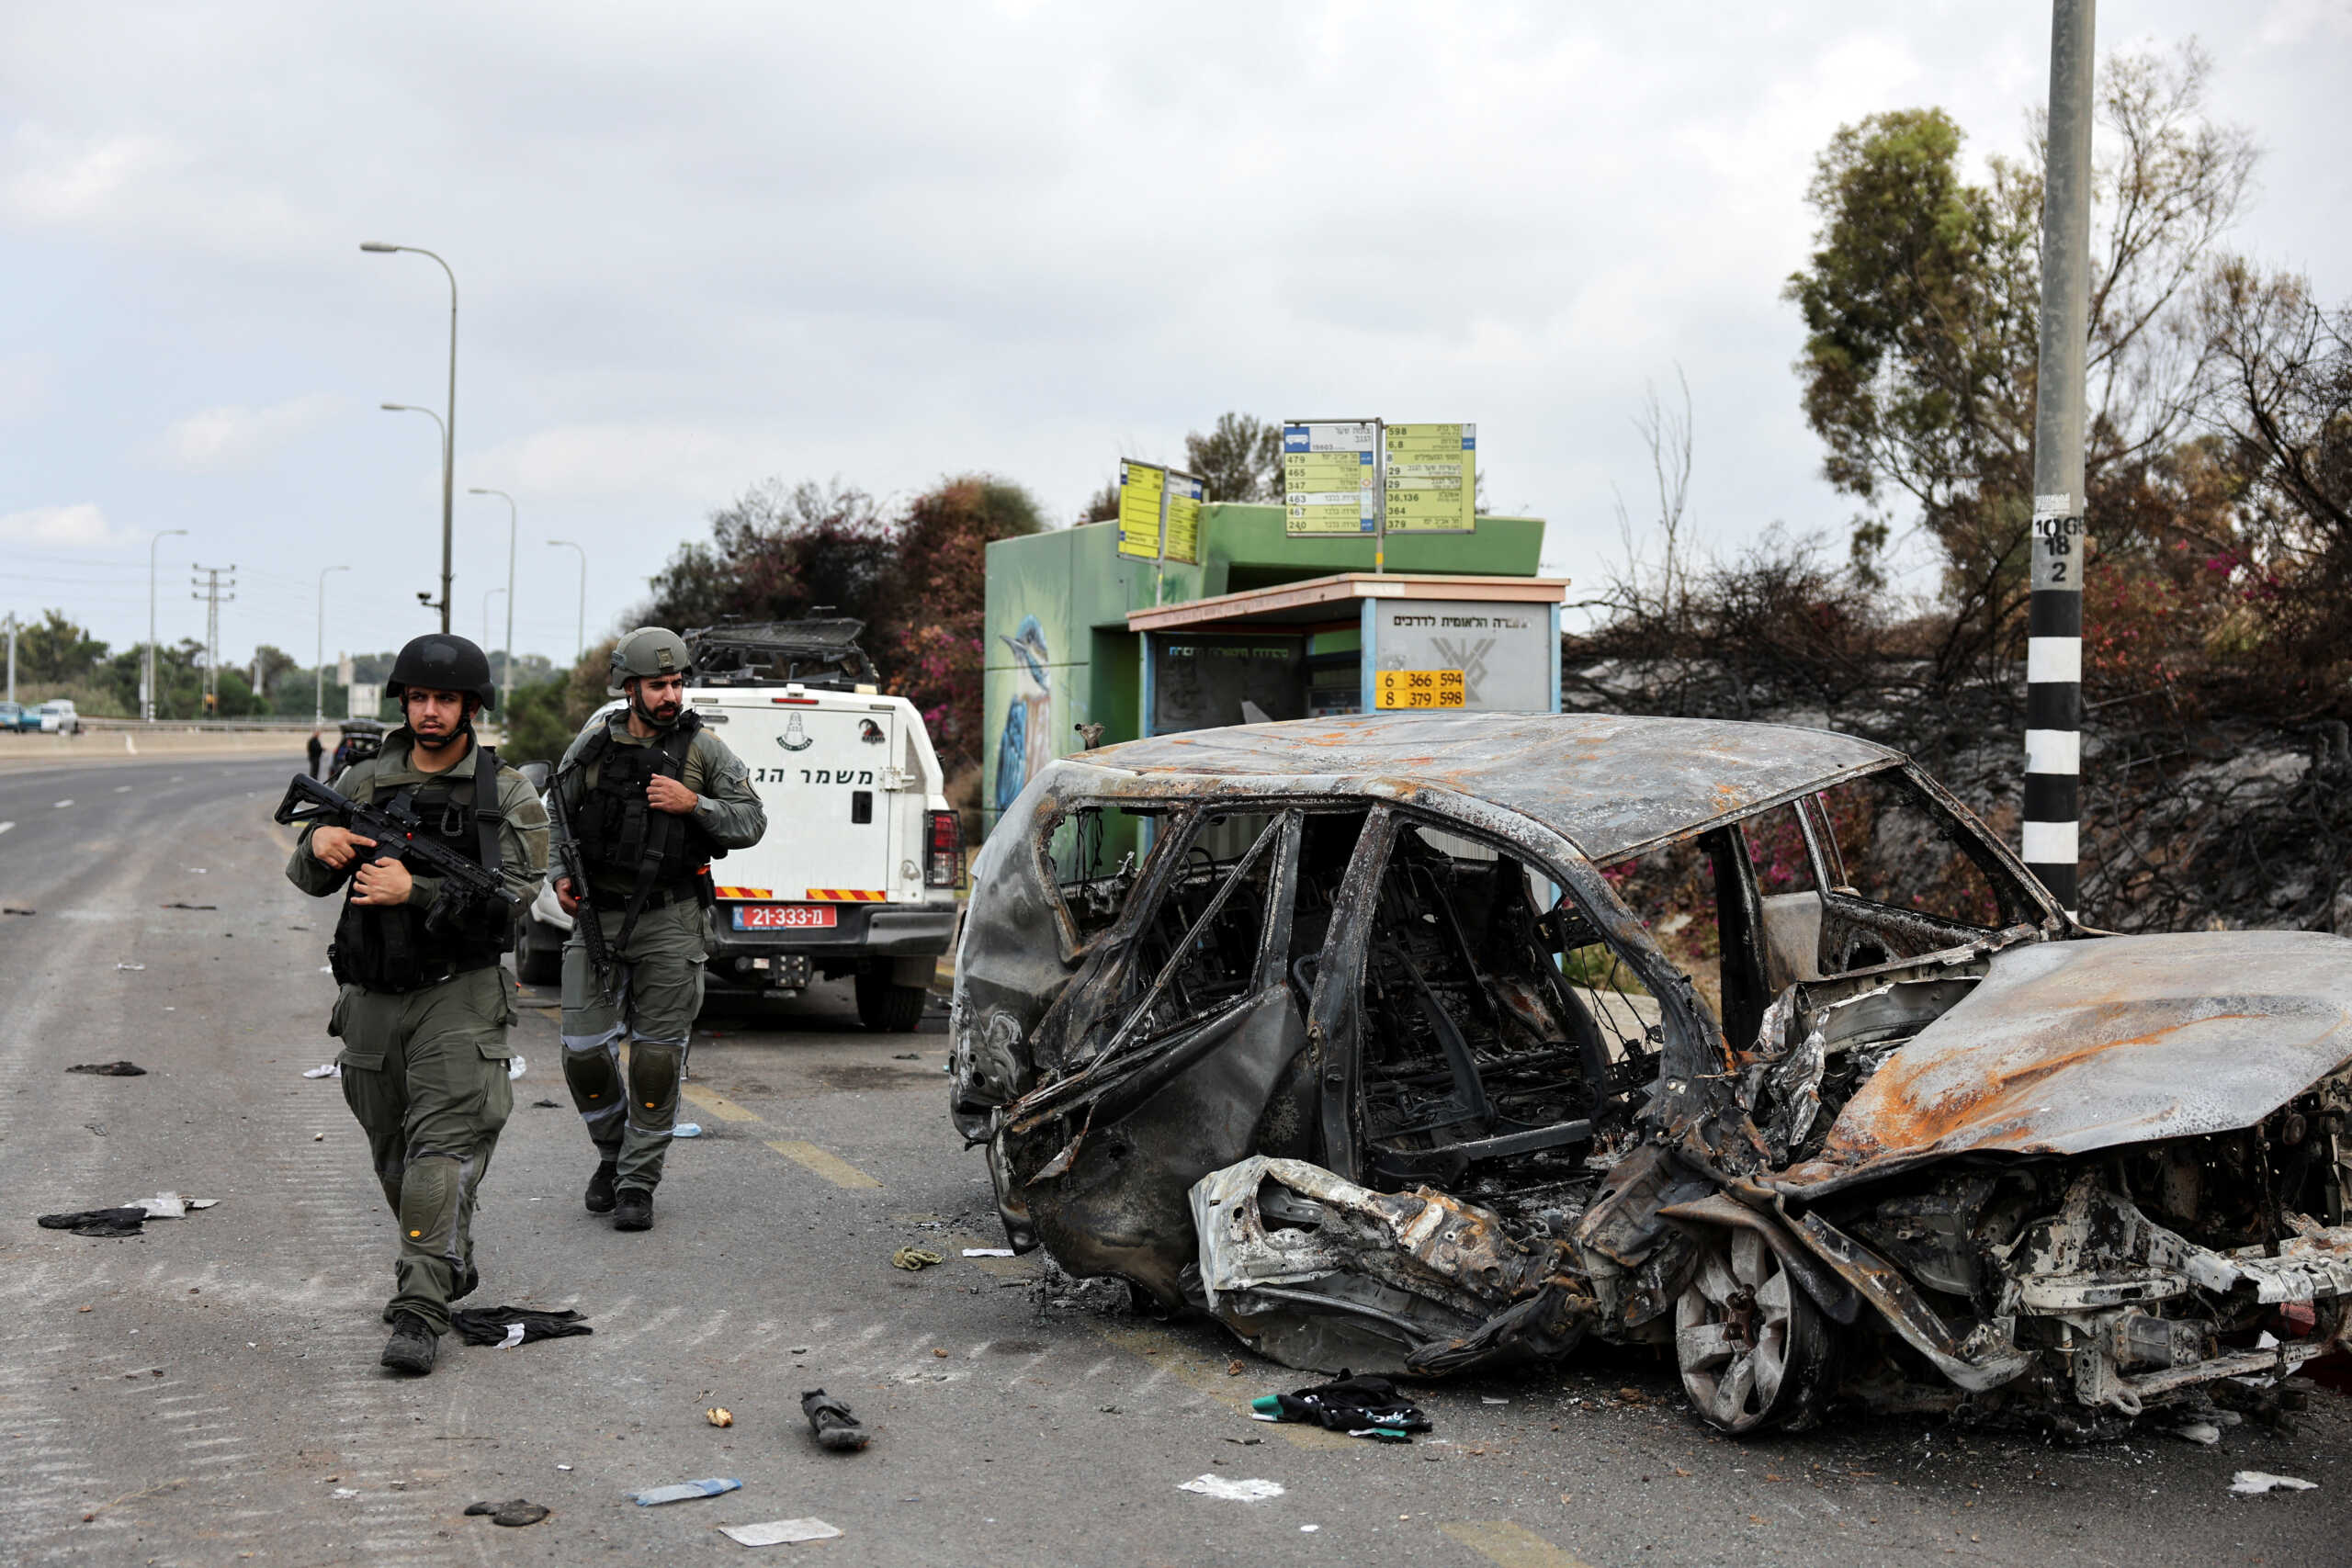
(831, 1166)
(1210, 1377)
(1511, 1545)
(717, 1104)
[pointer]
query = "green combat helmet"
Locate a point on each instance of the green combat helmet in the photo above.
(649, 651)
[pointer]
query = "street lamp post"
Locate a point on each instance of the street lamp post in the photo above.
(319, 658)
(506, 676)
(579, 637)
(487, 595)
(147, 695)
(413, 408)
(448, 430)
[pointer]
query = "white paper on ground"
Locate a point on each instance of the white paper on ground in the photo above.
(779, 1532)
(709, 1487)
(325, 1070)
(686, 1130)
(2253, 1480)
(513, 1337)
(1250, 1491)
(988, 1252)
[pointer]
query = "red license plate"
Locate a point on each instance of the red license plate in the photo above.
(784, 917)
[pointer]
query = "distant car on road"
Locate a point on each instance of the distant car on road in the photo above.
(16, 716)
(57, 716)
(361, 739)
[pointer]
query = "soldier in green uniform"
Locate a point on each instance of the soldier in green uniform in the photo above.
(650, 796)
(424, 1004)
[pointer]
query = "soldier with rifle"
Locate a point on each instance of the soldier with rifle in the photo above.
(644, 799)
(441, 848)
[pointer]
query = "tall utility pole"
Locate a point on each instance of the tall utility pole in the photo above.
(319, 656)
(449, 427)
(506, 675)
(213, 598)
(2053, 660)
(12, 656)
(579, 637)
(147, 690)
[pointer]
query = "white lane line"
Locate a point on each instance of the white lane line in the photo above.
(62, 805)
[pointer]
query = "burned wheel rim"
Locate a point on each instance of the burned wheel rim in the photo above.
(1751, 1346)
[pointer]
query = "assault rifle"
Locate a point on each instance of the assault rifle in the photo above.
(572, 866)
(400, 835)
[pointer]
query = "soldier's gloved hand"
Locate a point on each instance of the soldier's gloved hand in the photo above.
(334, 846)
(565, 896)
(382, 882)
(668, 795)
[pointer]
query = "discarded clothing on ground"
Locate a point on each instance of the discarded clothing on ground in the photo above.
(506, 1327)
(1361, 1407)
(517, 1512)
(833, 1423)
(915, 1258)
(109, 1069)
(96, 1221)
(709, 1487)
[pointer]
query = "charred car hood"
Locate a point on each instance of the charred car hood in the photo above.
(2066, 1047)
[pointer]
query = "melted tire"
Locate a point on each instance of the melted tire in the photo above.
(1754, 1351)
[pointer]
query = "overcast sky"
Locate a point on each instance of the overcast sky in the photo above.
(701, 244)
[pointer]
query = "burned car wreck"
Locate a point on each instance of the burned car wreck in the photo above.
(1420, 1042)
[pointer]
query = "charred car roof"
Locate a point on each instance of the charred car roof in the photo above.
(1608, 784)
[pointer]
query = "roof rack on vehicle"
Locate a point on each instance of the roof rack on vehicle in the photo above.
(820, 651)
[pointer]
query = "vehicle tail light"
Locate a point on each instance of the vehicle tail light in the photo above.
(944, 866)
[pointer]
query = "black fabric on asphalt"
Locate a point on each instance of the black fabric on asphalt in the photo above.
(518, 1511)
(96, 1221)
(546, 1104)
(1354, 1404)
(110, 1070)
(488, 1325)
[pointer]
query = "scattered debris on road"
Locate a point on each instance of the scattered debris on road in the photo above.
(130, 968)
(712, 1487)
(1360, 1406)
(1250, 1491)
(779, 1532)
(988, 1252)
(686, 1130)
(2250, 1483)
(915, 1258)
(127, 1220)
(183, 906)
(109, 1069)
(504, 1327)
(13, 909)
(325, 1070)
(719, 1415)
(833, 1423)
(545, 1105)
(515, 1513)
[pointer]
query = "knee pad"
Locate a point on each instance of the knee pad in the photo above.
(654, 1072)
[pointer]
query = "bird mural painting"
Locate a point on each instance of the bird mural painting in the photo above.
(1026, 745)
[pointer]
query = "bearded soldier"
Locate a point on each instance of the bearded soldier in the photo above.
(424, 1004)
(648, 797)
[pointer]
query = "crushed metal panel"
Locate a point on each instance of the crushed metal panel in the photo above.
(1610, 783)
(2066, 1047)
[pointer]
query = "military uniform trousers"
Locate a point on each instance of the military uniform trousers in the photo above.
(424, 1072)
(659, 993)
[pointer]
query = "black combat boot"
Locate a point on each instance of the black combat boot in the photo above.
(411, 1346)
(635, 1211)
(599, 1198)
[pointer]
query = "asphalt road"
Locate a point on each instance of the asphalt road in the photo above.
(208, 1393)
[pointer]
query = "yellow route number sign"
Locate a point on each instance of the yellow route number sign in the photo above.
(1417, 689)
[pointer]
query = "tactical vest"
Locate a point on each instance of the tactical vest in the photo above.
(410, 946)
(619, 831)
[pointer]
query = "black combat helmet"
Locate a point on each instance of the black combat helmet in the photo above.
(441, 661)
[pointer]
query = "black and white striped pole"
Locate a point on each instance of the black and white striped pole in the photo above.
(2054, 666)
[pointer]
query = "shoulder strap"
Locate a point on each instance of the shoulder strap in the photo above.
(488, 816)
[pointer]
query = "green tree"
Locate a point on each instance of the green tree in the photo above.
(1241, 459)
(55, 649)
(1920, 304)
(776, 553)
